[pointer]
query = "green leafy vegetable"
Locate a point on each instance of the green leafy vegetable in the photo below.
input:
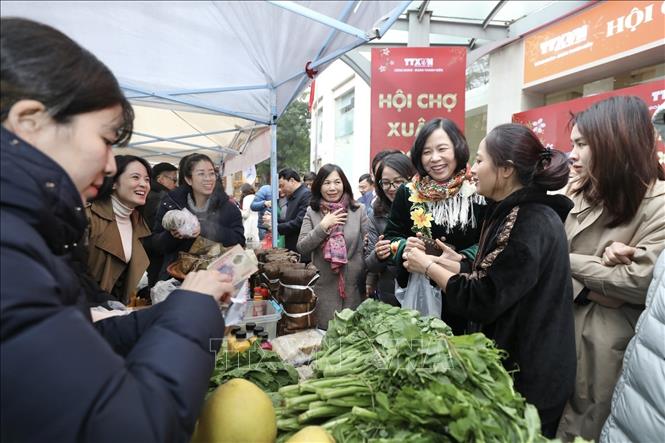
(386, 374)
(263, 368)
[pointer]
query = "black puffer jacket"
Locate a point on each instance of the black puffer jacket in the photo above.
(223, 224)
(136, 378)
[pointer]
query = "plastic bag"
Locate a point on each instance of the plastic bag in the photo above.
(162, 289)
(266, 243)
(143, 282)
(182, 220)
(235, 313)
(421, 296)
(298, 348)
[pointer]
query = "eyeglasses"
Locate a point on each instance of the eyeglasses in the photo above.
(386, 184)
(170, 177)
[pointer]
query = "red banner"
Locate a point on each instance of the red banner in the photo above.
(411, 86)
(550, 123)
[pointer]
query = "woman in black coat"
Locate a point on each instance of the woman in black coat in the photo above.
(519, 290)
(140, 377)
(219, 217)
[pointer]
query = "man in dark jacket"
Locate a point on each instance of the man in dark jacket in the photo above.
(297, 199)
(164, 179)
(142, 375)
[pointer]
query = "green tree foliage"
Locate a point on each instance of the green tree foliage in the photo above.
(292, 141)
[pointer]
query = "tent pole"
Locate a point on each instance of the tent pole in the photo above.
(274, 182)
(321, 18)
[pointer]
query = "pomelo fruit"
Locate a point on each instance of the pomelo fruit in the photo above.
(237, 412)
(311, 434)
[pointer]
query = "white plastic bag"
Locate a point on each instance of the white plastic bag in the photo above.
(143, 282)
(162, 289)
(236, 311)
(421, 296)
(182, 220)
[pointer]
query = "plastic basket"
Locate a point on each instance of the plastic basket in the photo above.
(263, 313)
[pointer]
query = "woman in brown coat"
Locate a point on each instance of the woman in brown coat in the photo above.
(116, 258)
(616, 231)
(333, 232)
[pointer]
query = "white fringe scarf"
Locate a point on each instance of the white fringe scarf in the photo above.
(456, 211)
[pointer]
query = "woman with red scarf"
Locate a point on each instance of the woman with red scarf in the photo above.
(439, 202)
(333, 232)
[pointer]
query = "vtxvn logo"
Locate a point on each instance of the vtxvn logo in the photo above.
(419, 62)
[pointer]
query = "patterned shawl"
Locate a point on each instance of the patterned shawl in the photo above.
(334, 246)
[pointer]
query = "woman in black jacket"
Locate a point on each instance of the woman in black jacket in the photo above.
(140, 377)
(519, 290)
(392, 172)
(219, 217)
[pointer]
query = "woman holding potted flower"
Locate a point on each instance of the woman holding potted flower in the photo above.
(440, 202)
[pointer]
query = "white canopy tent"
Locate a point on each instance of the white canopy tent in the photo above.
(242, 59)
(158, 137)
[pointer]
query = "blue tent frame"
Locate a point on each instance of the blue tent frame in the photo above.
(337, 25)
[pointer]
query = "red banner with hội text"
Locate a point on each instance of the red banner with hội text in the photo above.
(411, 86)
(551, 123)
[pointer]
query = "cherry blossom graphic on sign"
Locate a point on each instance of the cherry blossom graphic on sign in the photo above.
(538, 126)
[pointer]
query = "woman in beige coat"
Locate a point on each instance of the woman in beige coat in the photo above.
(333, 232)
(116, 258)
(616, 231)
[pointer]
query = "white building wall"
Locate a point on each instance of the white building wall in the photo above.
(505, 94)
(352, 157)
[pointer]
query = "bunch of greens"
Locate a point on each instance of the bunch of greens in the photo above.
(386, 374)
(263, 368)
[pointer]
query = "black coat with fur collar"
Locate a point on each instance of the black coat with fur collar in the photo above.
(520, 293)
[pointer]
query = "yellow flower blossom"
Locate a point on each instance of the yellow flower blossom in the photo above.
(421, 219)
(414, 196)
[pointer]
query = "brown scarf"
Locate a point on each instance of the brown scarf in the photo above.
(432, 190)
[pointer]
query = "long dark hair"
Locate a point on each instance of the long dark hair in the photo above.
(121, 161)
(401, 163)
(517, 146)
(191, 161)
(219, 195)
(321, 176)
(380, 156)
(182, 166)
(40, 63)
(624, 161)
(460, 145)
